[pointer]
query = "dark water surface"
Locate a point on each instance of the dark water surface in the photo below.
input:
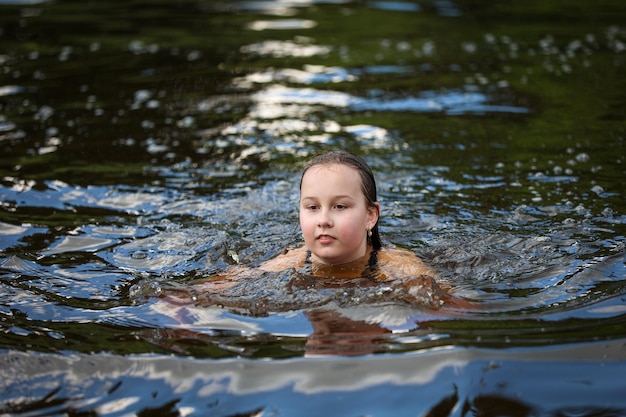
(145, 145)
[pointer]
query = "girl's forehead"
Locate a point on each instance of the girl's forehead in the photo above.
(330, 168)
(331, 179)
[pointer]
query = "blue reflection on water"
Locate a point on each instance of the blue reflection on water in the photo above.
(451, 102)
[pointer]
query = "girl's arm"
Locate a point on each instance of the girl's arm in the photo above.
(291, 258)
(403, 263)
(418, 280)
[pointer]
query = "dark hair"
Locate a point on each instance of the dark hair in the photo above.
(368, 183)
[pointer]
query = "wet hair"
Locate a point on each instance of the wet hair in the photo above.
(368, 183)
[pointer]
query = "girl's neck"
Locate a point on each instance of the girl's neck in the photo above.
(348, 270)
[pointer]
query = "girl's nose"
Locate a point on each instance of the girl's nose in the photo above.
(324, 219)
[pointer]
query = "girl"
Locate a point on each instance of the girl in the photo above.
(339, 216)
(333, 279)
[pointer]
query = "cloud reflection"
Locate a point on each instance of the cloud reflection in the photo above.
(284, 24)
(449, 102)
(305, 375)
(282, 49)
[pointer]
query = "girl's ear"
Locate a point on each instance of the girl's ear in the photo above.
(373, 213)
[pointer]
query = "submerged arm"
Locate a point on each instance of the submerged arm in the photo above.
(290, 258)
(418, 281)
(218, 283)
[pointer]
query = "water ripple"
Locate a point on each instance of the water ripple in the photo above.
(451, 102)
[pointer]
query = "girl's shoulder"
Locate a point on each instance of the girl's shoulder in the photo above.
(402, 262)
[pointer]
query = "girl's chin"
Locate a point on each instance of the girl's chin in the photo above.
(326, 257)
(330, 257)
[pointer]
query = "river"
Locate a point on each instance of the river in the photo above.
(149, 145)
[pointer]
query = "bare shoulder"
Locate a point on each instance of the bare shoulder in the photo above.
(402, 262)
(418, 279)
(288, 259)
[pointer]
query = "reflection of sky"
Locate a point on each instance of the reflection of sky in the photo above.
(281, 49)
(311, 74)
(399, 6)
(284, 111)
(60, 195)
(275, 7)
(278, 100)
(333, 374)
(450, 102)
(286, 24)
(289, 7)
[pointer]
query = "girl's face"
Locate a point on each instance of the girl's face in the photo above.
(334, 215)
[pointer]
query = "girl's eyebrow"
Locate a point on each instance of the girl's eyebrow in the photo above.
(335, 197)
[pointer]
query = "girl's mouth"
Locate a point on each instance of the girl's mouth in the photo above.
(325, 239)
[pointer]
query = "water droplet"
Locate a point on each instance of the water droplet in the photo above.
(469, 47)
(582, 157)
(194, 55)
(139, 255)
(186, 121)
(597, 189)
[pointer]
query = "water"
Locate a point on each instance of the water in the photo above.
(146, 146)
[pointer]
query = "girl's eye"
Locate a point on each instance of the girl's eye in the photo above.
(340, 206)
